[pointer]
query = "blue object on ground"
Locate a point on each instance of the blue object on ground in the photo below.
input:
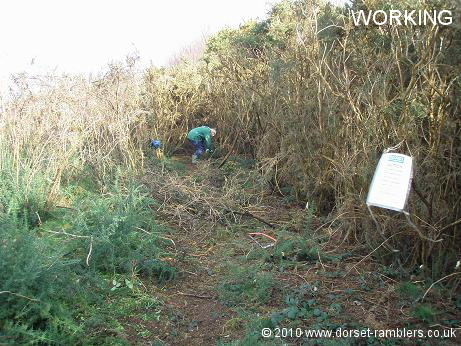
(155, 143)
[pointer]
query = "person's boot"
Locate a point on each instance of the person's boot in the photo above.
(194, 159)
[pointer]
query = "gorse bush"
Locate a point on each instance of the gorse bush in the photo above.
(119, 225)
(52, 273)
(37, 286)
(71, 222)
(23, 196)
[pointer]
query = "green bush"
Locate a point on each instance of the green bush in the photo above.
(409, 290)
(37, 288)
(119, 225)
(23, 194)
(55, 281)
(253, 334)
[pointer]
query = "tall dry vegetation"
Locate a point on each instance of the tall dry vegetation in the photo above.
(57, 128)
(316, 100)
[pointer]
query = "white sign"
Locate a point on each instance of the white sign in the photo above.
(391, 182)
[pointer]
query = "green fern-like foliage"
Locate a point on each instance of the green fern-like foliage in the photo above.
(121, 228)
(54, 275)
(37, 286)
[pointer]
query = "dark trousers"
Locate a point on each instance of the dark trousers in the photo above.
(199, 147)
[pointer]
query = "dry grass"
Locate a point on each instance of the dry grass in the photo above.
(207, 196)
(55, 128)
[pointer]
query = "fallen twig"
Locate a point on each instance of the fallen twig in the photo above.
(253, 216)
(350, 269)
(89, 252)
(20, 295)
(447, 276)
(194, 295)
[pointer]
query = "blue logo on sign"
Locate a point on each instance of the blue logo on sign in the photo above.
(396, 158)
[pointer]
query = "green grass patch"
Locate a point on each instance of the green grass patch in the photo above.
(246, 285)
(409, 291)
(425, 312)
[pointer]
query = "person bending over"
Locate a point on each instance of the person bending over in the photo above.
(200, 137)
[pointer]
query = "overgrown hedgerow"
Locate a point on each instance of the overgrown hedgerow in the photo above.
(315, 100)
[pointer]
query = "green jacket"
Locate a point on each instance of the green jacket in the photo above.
(202, 133)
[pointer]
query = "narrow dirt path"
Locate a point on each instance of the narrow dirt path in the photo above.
(192, 313)
(342, 293)
(199, 318)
